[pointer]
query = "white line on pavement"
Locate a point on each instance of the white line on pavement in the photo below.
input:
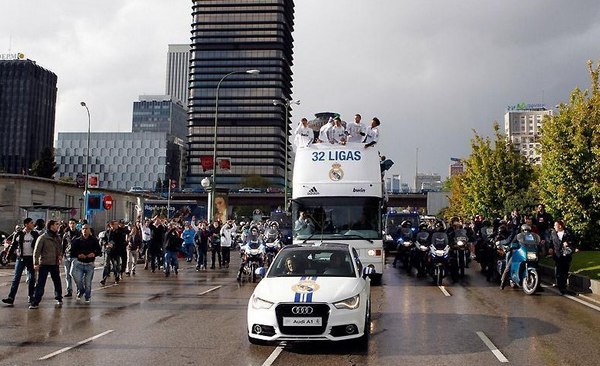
(444, 291)
(269, 361)
(210, 290)
(492, 347)
(76, 345)
(103, 287)
(574, 298)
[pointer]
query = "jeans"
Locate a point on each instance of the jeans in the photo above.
(20, 265)
(563, 263)
(83, 274)
(132, 258)
(54, 272)
(112, 264)
(171, 260)
(201, 256)
(68, 263)
(188, 249)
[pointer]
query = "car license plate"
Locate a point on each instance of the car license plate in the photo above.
(302, 322)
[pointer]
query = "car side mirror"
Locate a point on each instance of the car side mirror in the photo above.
(367, 272)
(260, 271)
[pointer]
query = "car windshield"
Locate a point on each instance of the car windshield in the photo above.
(337, 217)
(317, 262)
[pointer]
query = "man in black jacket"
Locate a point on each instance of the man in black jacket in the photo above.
(70, 234)
(84, 251)
(23, 244)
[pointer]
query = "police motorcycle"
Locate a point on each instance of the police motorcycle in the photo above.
(252, 257)
(272, 242)
(524, 260)
(421, 251)
(404, 245)
(461, 251)
(439, 255)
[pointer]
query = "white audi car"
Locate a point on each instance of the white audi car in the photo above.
(312, 292)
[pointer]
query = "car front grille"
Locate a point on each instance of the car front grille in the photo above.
(318, 310)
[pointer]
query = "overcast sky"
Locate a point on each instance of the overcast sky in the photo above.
(432, 71)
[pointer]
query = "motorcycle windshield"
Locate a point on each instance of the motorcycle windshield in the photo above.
(460, 234)
(529, 241)
(406, 233)
(439, 240)
(423, 236)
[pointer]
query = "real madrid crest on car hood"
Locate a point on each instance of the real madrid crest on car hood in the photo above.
(336, 173)
(305, 288)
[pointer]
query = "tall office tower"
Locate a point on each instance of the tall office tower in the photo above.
(160, 113)
(522, 124)
(237, 36)
(178, 69)
(27, 113)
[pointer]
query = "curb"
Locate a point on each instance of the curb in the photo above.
(578, 283)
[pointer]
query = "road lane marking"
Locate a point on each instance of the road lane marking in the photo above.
(444, 291)
(574, 298)
(76, 345)
(210, 290)
(103, 287)
(492, 347)
(269, 361)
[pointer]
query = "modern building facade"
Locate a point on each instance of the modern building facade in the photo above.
(160, 113)
(178, 69)
(522, 125)
(425, 182)
(237, 36)
(122, 160)
(27, 113)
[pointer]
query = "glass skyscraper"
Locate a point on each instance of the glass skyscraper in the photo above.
(27, 113)
(240, 35)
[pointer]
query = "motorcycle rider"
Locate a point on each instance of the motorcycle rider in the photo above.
(254, 241)
(525, 229)
(23, 244)
(405, 233)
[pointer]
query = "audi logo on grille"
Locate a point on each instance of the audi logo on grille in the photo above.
(302, 310)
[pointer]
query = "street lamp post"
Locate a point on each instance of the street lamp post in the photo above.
(87, 162)
(287, 103)
(214, 172)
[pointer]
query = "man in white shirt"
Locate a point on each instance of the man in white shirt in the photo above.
(355, 129)
(338, 132)
(324, 132)
(372, 133)
(304, 134)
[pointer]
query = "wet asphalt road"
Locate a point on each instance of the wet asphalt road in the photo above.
(198, 318)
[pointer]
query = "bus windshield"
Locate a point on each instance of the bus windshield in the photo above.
(337, 218)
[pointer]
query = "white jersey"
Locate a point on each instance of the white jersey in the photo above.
(324, 132)
(303, 135)
(354, 129)
(146, 233)
(371, 135)
(338, 134)
(226, 235)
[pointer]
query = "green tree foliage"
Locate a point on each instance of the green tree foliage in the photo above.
(497, 179)
(45, 166)
(66, 179)
(570, 178)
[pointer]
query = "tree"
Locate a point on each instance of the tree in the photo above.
(45, 166)
(497, 179)
(570, 177)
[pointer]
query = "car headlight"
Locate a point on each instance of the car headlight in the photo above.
(350, 303)
(258, 303)
(531, 256)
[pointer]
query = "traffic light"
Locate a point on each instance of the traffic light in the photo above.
(94, 202)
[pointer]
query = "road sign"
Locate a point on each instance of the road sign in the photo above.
(80, 180)
(108, 202)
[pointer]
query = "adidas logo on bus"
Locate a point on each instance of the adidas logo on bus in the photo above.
(313, 191)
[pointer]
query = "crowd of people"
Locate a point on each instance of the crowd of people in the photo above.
(41, 248)
(336, 131)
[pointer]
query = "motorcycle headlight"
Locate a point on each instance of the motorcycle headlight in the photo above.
(350, 303)
(407, 243)
(389, 238)
(258, 303)
(460, 243)
(531, 256)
